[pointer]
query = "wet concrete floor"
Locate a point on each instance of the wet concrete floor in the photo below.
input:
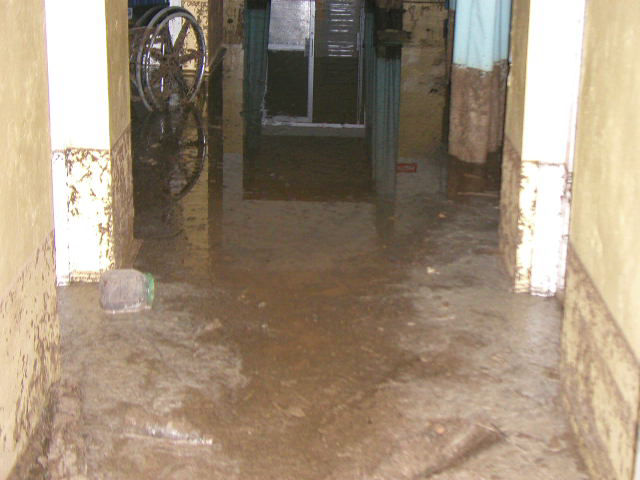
(298, 336)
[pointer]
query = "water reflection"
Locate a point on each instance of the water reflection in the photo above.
(219, 191)
(169, 150)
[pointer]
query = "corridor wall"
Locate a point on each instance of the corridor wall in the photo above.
(571, 140)
(90, 137)
(601, 338)
(29, 331)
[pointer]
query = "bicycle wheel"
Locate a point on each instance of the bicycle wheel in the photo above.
(174, 62)
(174, 145)
(146, 25)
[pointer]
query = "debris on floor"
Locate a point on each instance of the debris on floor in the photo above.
(126, 290)
(302, 334)
(438, 447)
(67, 456)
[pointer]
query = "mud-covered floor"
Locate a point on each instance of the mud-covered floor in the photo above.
(298, 337)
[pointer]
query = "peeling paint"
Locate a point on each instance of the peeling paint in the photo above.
(601, 378)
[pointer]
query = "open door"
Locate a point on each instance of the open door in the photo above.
(289, 95)
(338, 62)
(314, 62)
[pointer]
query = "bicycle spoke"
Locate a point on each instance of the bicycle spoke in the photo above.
(181, 82)
(172, 65)
(182, 35)
(156, 53)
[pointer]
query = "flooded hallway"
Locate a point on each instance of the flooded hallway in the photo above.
(389, 240)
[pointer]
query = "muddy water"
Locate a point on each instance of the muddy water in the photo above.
(304, 327)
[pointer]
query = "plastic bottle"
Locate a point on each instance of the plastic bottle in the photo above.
(126, 290)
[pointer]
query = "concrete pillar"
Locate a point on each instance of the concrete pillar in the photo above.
(233, 76)
(424, 80)
(539, 143)
(233, 21)
(382, 71)
(87, 44)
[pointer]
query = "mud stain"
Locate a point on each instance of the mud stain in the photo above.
(320, 337)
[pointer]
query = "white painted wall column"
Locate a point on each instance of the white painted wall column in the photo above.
(89, 140)
(79, 108)
(551, 97)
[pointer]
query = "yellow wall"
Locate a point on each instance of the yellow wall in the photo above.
(200, 9)
(28, 325)
(118, 57)
(513, 138)
(233, 21)
(215, 22)
(518, 73)
(424, 80)
(232, 86)
(601, 332)
(25, 183)
(605, 229)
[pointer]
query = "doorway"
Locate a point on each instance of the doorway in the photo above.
(315, 64)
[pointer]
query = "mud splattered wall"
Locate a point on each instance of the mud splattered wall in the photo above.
(233, 75)
(602, 323)
(538, 165)
(210, 16)
(215, 27)
(90, 136)
(200, 9)
(118, 67)
(601, 333)
(233, 14)
(606, 224)
(517, 74)
(28, 324)
(124, 246)
(424, 79)
(513, 135)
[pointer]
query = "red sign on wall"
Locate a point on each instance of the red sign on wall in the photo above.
(406, 167)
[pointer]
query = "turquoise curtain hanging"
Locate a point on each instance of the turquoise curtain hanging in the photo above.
(481, 33)
(478, 79)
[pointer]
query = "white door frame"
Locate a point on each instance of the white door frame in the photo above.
(309, 49)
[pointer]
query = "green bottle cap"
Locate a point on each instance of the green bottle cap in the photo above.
(151, 288)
